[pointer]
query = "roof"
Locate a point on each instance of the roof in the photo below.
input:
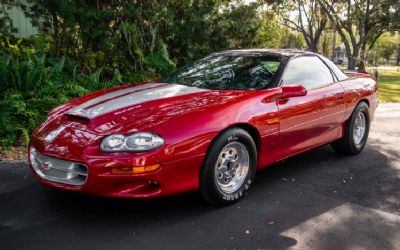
(266, 52)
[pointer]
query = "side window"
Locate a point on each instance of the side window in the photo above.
(308, 71)
(255, 75)
(338, 72)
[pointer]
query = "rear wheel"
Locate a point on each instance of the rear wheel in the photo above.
(356, 132)
(229, 167)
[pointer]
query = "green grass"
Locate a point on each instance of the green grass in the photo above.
(389, 86)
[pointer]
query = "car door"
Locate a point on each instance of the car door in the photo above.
(316, 118)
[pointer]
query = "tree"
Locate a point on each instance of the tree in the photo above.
(358, 22)
(240, 23)
(45, 15)
(147, 36)
(291, 40)
(386, 46)
(194, 29)
(269, 34)
(310, 20)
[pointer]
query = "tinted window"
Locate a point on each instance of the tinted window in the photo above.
(338, 72)
(227, 72)
(308, 71)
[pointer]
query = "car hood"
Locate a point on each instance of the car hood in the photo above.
(138, 107)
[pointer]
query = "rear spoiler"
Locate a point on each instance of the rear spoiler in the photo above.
(351, 73)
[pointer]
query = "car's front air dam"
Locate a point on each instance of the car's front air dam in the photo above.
(171, 178)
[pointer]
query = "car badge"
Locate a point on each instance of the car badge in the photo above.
(45, 165)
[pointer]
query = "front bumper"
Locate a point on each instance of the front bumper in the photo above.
(171, 178)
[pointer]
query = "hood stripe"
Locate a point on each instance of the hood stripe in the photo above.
(132, 96)
(112, 95)
(127, 93)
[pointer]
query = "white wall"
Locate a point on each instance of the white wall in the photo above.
(21, 22)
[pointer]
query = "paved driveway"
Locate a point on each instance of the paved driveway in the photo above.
(317, 200)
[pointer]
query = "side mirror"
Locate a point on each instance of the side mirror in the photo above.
(289, 91)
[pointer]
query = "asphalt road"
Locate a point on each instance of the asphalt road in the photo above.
(317, 200)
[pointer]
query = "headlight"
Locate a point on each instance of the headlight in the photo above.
(137, 142)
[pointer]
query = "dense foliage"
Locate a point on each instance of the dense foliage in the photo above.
(32, 84)
(88, 45)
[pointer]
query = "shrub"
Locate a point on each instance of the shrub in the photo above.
(31, 86)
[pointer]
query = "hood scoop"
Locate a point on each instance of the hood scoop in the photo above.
(78, 118)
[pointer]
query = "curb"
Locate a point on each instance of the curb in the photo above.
(13, 161)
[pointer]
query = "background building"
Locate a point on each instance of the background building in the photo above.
(20, 22)
(339, 56)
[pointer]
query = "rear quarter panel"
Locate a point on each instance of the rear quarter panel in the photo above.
(357, 89)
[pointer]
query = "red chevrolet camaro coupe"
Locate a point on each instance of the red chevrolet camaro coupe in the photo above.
(209, 126)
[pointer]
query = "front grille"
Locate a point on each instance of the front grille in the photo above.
(57, 170)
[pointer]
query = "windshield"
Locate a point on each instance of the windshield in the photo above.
(227, 72)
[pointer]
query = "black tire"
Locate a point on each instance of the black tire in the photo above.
(209, 187)
(347, 144)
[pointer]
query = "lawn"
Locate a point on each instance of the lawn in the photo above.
(389, 86)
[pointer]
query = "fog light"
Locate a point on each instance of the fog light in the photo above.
(135, 170)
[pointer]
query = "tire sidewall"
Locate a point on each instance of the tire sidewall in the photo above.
(208, 182)
(362, 107)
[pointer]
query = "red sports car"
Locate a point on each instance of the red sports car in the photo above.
(208, 126)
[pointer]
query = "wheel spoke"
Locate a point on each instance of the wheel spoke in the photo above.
(232, 167)
(359, 128)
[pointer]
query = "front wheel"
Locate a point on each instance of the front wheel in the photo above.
(356, 132)
(229, 167)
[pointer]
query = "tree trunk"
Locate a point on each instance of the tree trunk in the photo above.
(398, 56)
(55, 34)
(325, 50)
(361, 65)
(313, 47)
(350, 61)
(352, 57)
(334, 42)
(349, 55)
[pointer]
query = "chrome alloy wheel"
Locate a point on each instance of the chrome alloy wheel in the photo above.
(232, 167)
(359, 128)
